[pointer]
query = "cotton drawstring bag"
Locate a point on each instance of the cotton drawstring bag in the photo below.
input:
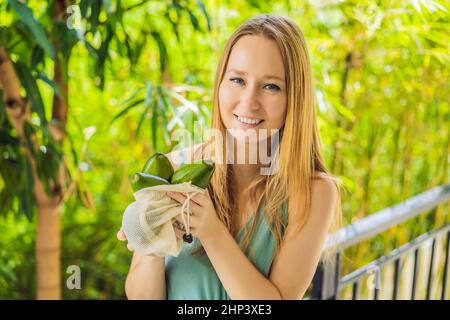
(147, 222)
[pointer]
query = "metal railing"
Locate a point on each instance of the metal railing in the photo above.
(328, 281)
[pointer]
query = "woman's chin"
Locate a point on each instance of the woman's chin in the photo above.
(249, 135)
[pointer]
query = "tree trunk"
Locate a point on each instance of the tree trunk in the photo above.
(48, 254)
(48, 230)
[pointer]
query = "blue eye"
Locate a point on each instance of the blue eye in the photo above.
(233, 80)
(273, 87)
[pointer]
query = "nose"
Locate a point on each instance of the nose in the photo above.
(250, 99)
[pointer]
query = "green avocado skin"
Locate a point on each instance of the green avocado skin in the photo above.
(159, 165)
(199, 173)
(141, 180)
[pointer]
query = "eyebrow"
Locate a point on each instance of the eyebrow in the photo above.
(267, 76)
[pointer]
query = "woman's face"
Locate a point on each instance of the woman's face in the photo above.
(252, 94)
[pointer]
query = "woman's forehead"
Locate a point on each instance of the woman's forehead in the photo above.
(252, 54)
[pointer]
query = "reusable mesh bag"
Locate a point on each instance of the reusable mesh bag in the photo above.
(147, 222)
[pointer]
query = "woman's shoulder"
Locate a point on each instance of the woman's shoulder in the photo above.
(324, 184)
(183, 155)
(317, 175)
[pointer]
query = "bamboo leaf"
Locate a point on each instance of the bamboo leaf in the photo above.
(128, 108)
(26, 196)
(37, 56)
(29, 130)
(133, 95)
(72, 150)
(6, 197)
(26, 16)
(162, 95)
(84, 5)
(202, 7)
(194, 20)
(130, 52)
(154, 124)
(141, 119)
(49, 158)
(66, 38)
(32, 90)
(51, 83)
(6, 139)
(102, 56)
(173, 23)
(178, 9)
(341, 109)
(149, 93)
(148, 103)
(95, 13)
(163, 112)
(163, 57)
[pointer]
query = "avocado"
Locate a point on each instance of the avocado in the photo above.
(141, 180)
(199, 173)
(159, 165)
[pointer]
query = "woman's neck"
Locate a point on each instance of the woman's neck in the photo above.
(243, 174)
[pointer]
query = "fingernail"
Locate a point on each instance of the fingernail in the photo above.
(169, 193)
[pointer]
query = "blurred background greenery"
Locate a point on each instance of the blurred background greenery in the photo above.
(137, 71)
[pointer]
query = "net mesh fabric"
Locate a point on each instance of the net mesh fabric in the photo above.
(147, 222)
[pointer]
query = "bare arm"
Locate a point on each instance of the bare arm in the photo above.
(146, 278)
(292, 269)
(238, 275)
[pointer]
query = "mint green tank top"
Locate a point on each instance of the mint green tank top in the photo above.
(192, 277)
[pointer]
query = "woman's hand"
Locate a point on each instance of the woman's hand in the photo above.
(122, 237)
(179, 232)
(204, 223)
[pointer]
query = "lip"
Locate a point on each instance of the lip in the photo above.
(247, 125)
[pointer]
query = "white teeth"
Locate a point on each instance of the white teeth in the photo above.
(248, 120)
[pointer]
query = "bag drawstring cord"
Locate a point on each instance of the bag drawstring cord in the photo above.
(187, 237)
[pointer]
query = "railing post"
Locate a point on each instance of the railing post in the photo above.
(326, 282)
(326, 279)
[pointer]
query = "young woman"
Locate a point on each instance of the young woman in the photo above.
(256, 236)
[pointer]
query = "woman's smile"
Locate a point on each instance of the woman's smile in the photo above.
(247, 122)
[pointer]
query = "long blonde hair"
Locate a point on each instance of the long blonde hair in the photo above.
(300, 151)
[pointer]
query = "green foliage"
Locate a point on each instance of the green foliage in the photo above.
(33, 94)
(34, 27)
(140, 70)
